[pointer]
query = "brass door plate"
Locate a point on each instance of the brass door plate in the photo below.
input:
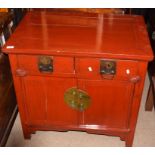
(107, 67)
(45, 64)
(77, 99)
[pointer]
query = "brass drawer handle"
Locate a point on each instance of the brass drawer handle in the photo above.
(21, 72)
(135, 79)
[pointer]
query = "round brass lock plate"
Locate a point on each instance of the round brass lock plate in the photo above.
(45, 60)
(71, 97)
(84, 100)
(77, 99)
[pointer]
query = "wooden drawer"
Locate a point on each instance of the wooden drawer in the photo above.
(30, 64)
(90, 68)
(81, 67)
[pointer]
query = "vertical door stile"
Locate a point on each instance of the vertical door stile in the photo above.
(46, 99)
(83, 112)
(24, 98)
(130, 104)
(79, 86)
(23, 90)
(76, 82)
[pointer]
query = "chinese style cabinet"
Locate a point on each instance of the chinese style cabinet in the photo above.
(79, 72)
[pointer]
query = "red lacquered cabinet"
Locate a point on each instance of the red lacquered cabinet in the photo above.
(81, 72)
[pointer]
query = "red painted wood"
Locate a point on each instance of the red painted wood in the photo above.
(58, 112)
(61, 65)
(46, 105)
(77, 43)
(108, 106)
(83, 64)
(121, 36)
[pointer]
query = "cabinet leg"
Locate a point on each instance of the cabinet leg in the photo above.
(129, 139)
(26, 132)
(128, 143)
(149, 101)
(27, 135)
(33, 132)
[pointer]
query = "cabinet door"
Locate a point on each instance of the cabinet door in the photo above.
(110, 102)
(58, 111)
(44, 100)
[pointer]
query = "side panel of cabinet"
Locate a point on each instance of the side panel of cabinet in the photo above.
(110, 103)
(44, 97)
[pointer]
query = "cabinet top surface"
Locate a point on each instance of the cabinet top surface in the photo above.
(98, 35)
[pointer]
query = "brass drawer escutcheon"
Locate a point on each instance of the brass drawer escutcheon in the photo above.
(107, 67)
(45, 64)
(77, 99)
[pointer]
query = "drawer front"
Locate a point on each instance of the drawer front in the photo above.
(93, 68)
(45, 65)
(89, 68)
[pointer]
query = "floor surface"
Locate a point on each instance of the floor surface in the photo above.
(144, 135)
